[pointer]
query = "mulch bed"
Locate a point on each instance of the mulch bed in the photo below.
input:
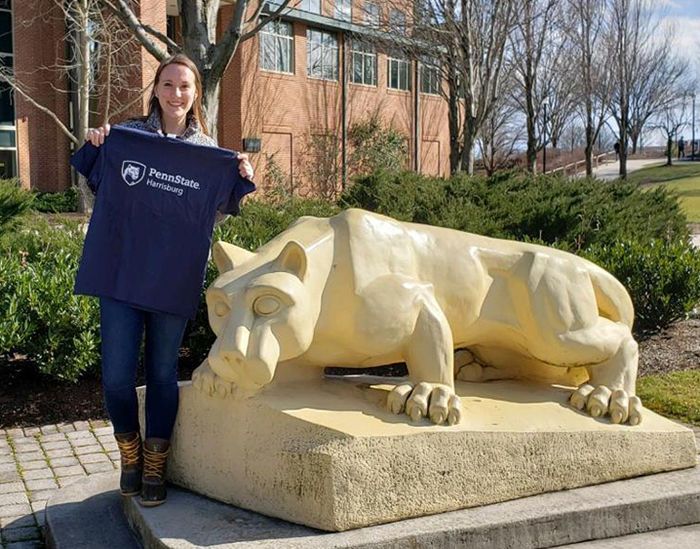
(28, 398)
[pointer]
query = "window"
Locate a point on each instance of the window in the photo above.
(430, 76)
(277, 47)
(363, 63)
(314, 6)
(8, 147)
(398, 72)
(343, 10)
(371, 14)
(322, 55)
(397, 20)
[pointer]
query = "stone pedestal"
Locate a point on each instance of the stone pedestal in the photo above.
(328, 455)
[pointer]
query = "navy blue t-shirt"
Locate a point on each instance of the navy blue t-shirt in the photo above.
(150, 232)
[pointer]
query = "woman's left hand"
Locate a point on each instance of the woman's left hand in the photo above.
(244, 166)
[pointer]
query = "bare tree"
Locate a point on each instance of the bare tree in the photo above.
(532, 43)
(474, 39)
(95, 70)
(500, 132)
(644, 71)
(658, 75)
(591, 65)
(671, 119)
(210, 54)
(558, 88)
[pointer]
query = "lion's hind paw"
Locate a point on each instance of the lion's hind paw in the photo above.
(438, 402)
(205, 380)
(600, 401)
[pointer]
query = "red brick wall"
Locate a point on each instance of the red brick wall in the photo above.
(42, 148)
(284, 109)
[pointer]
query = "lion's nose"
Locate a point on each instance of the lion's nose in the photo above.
(234, 358)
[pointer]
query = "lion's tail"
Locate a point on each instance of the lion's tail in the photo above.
(614, 302)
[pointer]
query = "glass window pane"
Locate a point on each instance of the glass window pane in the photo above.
(357, 68)
(8, 167)
(5, 32)
(267, 54)
(7, 138)
(283, 54)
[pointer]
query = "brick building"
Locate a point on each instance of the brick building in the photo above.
(292, 91)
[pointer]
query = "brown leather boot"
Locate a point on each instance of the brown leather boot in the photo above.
(131, 461)
(155, 455)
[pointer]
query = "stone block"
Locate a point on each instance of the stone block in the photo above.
(34, 465)
(41, 484)
(64, 461)
(329, 456)
(37, 474)
(101, 467)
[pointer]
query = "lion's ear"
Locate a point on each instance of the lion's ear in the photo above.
(292, 259)
(227, 256)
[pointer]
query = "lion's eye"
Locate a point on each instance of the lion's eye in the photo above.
(266, 305)
(221, 308)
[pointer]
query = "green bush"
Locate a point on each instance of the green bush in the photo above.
(575, 213)
(44, 320)
(663, 279)
(14, 202)
(375, 146)
(60, 202)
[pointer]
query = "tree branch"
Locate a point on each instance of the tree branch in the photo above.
(141, 31)
(13, 84)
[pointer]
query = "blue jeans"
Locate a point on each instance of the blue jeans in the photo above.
(122, 328)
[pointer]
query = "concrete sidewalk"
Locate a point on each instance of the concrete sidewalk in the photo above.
(35, 462)
(610, 172)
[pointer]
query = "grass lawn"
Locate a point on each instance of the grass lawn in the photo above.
(684, 178)
(675, 395)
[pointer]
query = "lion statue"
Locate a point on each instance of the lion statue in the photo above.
(360, 289)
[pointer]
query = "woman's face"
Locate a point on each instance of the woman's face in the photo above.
(176, 91)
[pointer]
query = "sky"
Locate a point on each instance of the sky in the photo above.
(685, 15)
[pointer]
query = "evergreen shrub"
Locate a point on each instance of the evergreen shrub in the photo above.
(14, 202)
(58, 331)
(663, 279)
(59, 202)
(574, 213)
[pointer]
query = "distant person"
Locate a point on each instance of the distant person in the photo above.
(617, 150)
(681, 147)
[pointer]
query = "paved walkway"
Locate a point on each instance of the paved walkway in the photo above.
(609, 172)
(37, 461)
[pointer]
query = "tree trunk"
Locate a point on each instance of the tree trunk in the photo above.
(635, 139)
(669, 151)
(210, 106)
(590, 139)
(84, 66)
(468, 151)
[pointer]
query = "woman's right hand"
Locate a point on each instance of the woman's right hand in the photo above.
(96, 136)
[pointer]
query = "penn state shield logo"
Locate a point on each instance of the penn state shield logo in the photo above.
(132, 172)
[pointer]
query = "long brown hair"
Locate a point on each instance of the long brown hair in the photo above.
(196, 110)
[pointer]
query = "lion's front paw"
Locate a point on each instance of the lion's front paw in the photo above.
(205, 380)
(600, 401)
(426, 399)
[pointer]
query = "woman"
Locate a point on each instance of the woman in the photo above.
(175, 110)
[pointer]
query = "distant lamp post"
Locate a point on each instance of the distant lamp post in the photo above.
(692, 143)
(544, 150)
